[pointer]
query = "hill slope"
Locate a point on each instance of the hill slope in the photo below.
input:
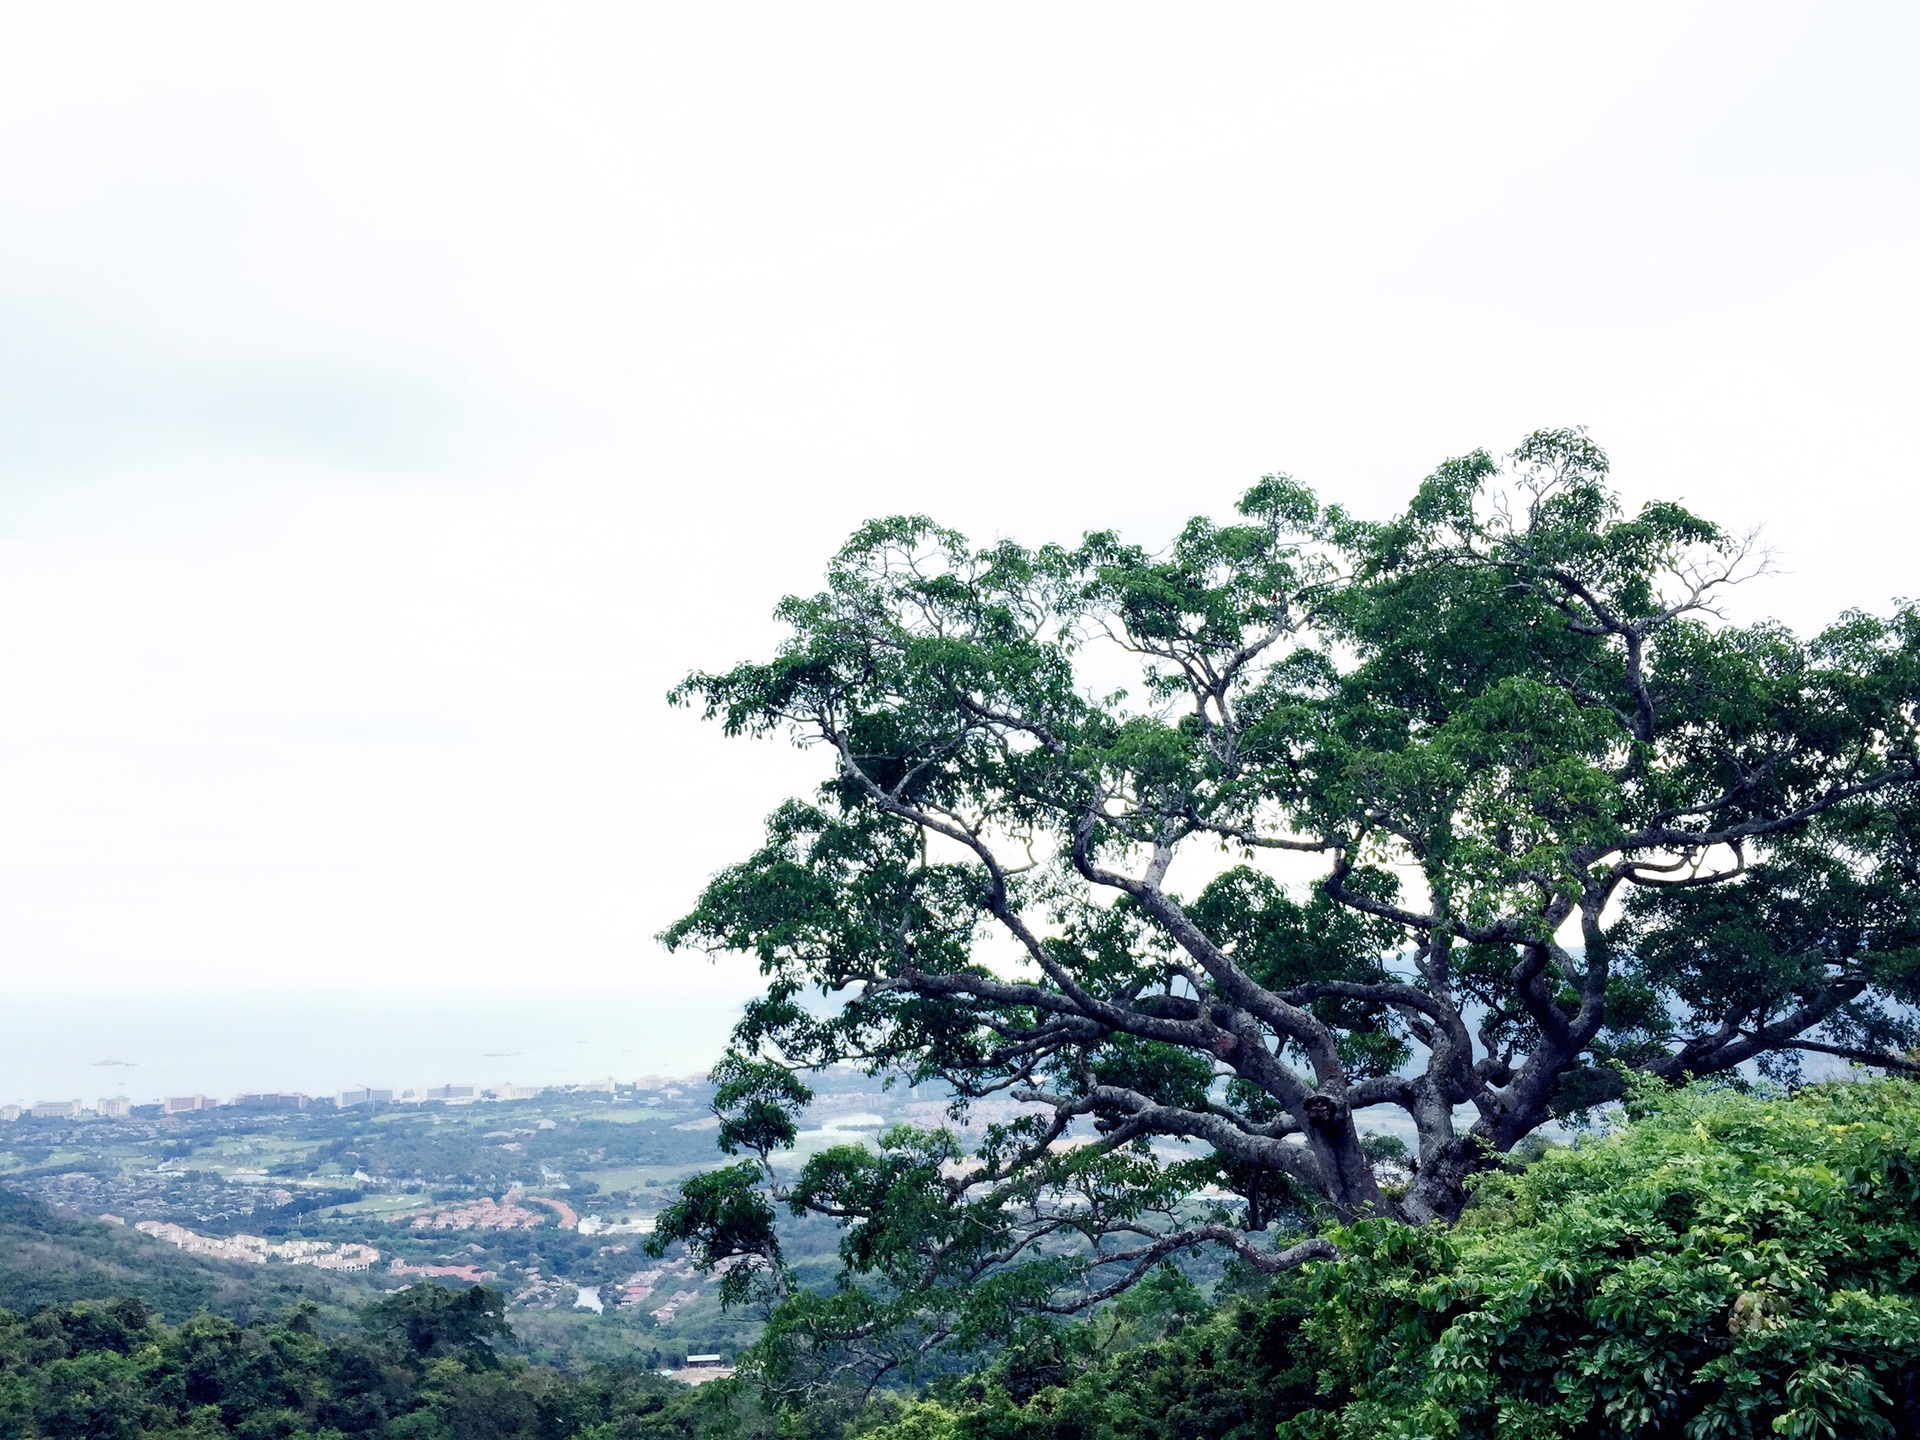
(51, 1258)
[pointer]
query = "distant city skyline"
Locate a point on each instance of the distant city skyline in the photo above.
(121, 1106)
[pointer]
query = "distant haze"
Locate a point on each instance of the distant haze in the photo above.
(147, 1047)
(396, 400)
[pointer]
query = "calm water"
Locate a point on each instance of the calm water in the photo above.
(144, 1046)
(52, 1046)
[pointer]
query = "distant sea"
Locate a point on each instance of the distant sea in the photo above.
(149, 1045)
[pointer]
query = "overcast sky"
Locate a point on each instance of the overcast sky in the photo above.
(396, 399)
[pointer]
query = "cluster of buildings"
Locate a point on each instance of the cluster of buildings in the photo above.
(545, 1292)
(641, 1286)
(116, 1107)
(119, 1107)
(508, 1213)
(664, 1314)
(472, 1274)
(445, 1094)
(482, 1214)
(257, 1249)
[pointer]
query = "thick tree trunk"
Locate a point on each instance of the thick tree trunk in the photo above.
(1348, 1175)
(1439, 1190)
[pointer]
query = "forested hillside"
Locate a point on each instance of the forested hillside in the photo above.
(48, 1257)
(1727, 1264)
(421, 1365)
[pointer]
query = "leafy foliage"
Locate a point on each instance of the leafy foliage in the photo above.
(1728, 1265)
(1203, 855)
(433, 1322)
(422, 1368)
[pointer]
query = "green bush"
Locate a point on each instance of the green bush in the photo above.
(1726, 1265)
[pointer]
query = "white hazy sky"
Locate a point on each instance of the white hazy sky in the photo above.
(396, 399)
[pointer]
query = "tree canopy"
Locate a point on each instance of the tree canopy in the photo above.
(1215, 857)
(421, 1367)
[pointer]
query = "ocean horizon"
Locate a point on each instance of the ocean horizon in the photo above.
(145, 1046)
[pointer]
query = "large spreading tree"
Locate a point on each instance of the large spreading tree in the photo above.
(1214, 855)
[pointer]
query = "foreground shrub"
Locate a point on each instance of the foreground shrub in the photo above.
(1725, 1266)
